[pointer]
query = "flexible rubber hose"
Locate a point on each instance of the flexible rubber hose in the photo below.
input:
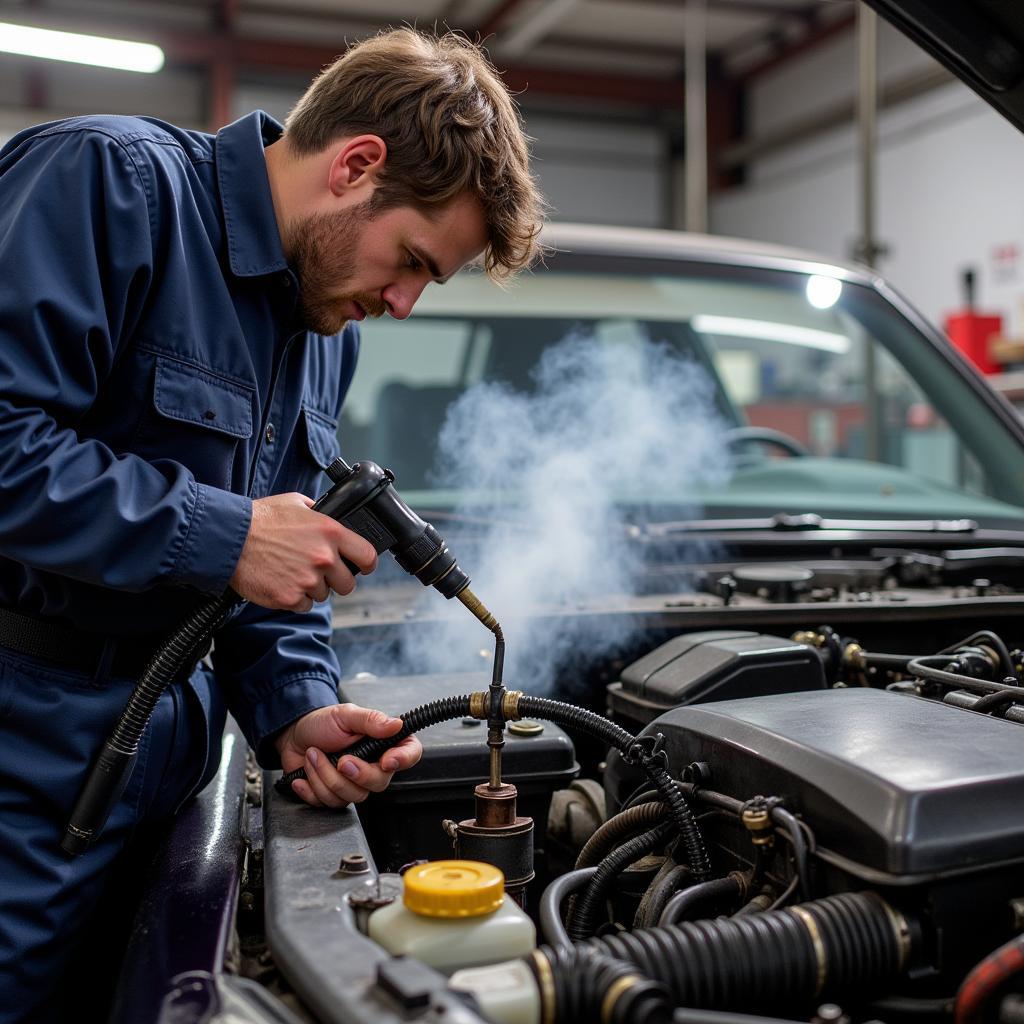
(591, 986)
(165, 664)
(838, 944)
(550, 908)
(682, 902)
(370, 749)
(623, 824)
(986, 979)
(614, 735)
(589, 904)
(553, 711)
(659, 892)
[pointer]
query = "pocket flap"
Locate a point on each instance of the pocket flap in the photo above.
(321, 434)
(191, 395)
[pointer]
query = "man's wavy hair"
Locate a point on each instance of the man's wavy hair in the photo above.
(450, 126)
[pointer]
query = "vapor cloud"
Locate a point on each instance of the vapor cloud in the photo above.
(570, 464)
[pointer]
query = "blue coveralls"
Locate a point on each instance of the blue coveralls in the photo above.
(154, 378)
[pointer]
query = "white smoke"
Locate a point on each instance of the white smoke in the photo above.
(563, 470)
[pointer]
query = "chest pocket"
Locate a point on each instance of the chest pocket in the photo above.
(198, 419)
(316, 453)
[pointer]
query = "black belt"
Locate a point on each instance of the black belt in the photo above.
(92, 653)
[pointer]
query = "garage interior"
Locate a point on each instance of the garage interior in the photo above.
(737, 470)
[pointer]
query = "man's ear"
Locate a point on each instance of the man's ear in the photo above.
(357, 164)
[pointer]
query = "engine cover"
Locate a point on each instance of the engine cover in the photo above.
(894, 783)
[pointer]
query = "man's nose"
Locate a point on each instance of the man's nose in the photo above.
(400, 298)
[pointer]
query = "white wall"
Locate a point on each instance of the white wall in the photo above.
(950, 181)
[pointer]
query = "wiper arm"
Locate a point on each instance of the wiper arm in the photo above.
(785, 521)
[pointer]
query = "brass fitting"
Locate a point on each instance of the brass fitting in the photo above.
(809, 637)
(853, 657)
(479, 704)
(757, 820)
(477, 607)
(510, 705)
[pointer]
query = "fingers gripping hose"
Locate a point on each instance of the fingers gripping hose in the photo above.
(643, 752)
(369, 749)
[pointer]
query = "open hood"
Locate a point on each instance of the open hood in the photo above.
(980, 41)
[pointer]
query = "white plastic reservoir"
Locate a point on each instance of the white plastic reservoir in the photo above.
(453, 914)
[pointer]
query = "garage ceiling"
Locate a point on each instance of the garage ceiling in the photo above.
(636, 46)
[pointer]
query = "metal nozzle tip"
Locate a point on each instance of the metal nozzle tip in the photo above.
(479, 609)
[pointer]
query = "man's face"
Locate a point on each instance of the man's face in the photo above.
(357, 262)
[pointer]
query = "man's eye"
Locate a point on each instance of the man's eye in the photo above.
(413, 263)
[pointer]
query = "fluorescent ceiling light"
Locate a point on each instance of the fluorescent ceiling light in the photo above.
(767, 330)
(823, 292)
(80, 49)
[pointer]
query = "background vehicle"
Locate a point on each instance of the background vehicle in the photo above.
(724, 493)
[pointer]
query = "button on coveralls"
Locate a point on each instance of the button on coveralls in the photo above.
(148, 340)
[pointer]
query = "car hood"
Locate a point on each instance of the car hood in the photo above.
(980, 41)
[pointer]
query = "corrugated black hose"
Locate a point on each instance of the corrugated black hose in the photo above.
(591, 986)
(642, 752)
(849, 942)
(113, 766)
(589, 905)
(853, 942)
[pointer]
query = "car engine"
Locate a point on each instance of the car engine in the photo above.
(853, 776)
(858, 804)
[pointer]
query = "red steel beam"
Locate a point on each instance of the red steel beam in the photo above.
(814, 37)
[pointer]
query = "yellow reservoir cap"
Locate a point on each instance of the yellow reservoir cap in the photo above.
(454, 888)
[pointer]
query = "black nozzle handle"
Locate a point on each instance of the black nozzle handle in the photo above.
(110, 774)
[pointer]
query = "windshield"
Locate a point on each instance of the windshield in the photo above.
(792, 393)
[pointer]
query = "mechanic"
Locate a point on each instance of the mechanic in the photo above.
(176, 338)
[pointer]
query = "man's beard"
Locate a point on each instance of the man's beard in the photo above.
(323, 252)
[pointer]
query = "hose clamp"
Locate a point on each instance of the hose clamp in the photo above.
(816, 942)
(616, 991)
(900, 929)
(510, 705)
(647, 750)
(479, 704)
(545, 984)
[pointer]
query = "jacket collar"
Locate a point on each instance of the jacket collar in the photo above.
(254, 242)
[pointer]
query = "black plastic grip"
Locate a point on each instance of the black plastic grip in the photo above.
(109, 775)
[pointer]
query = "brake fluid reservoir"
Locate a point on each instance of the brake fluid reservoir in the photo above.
(453, 914)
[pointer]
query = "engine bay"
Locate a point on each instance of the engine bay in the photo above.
(853, 782)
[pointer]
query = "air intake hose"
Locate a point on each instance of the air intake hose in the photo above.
(854, 942)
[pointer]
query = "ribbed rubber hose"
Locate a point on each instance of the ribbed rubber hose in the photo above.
(590, 986)
(615, 736)
(821, 948)
(369, 749)
(168, 661)
(625, 823)
(589, 904)
(551, 711)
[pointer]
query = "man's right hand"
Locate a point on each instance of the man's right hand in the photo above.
(293, 555)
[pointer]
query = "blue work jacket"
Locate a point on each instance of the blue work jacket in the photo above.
(154, 378)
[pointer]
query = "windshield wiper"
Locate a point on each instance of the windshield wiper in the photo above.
(782, 522)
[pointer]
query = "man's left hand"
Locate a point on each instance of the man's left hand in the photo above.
(302, 745)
